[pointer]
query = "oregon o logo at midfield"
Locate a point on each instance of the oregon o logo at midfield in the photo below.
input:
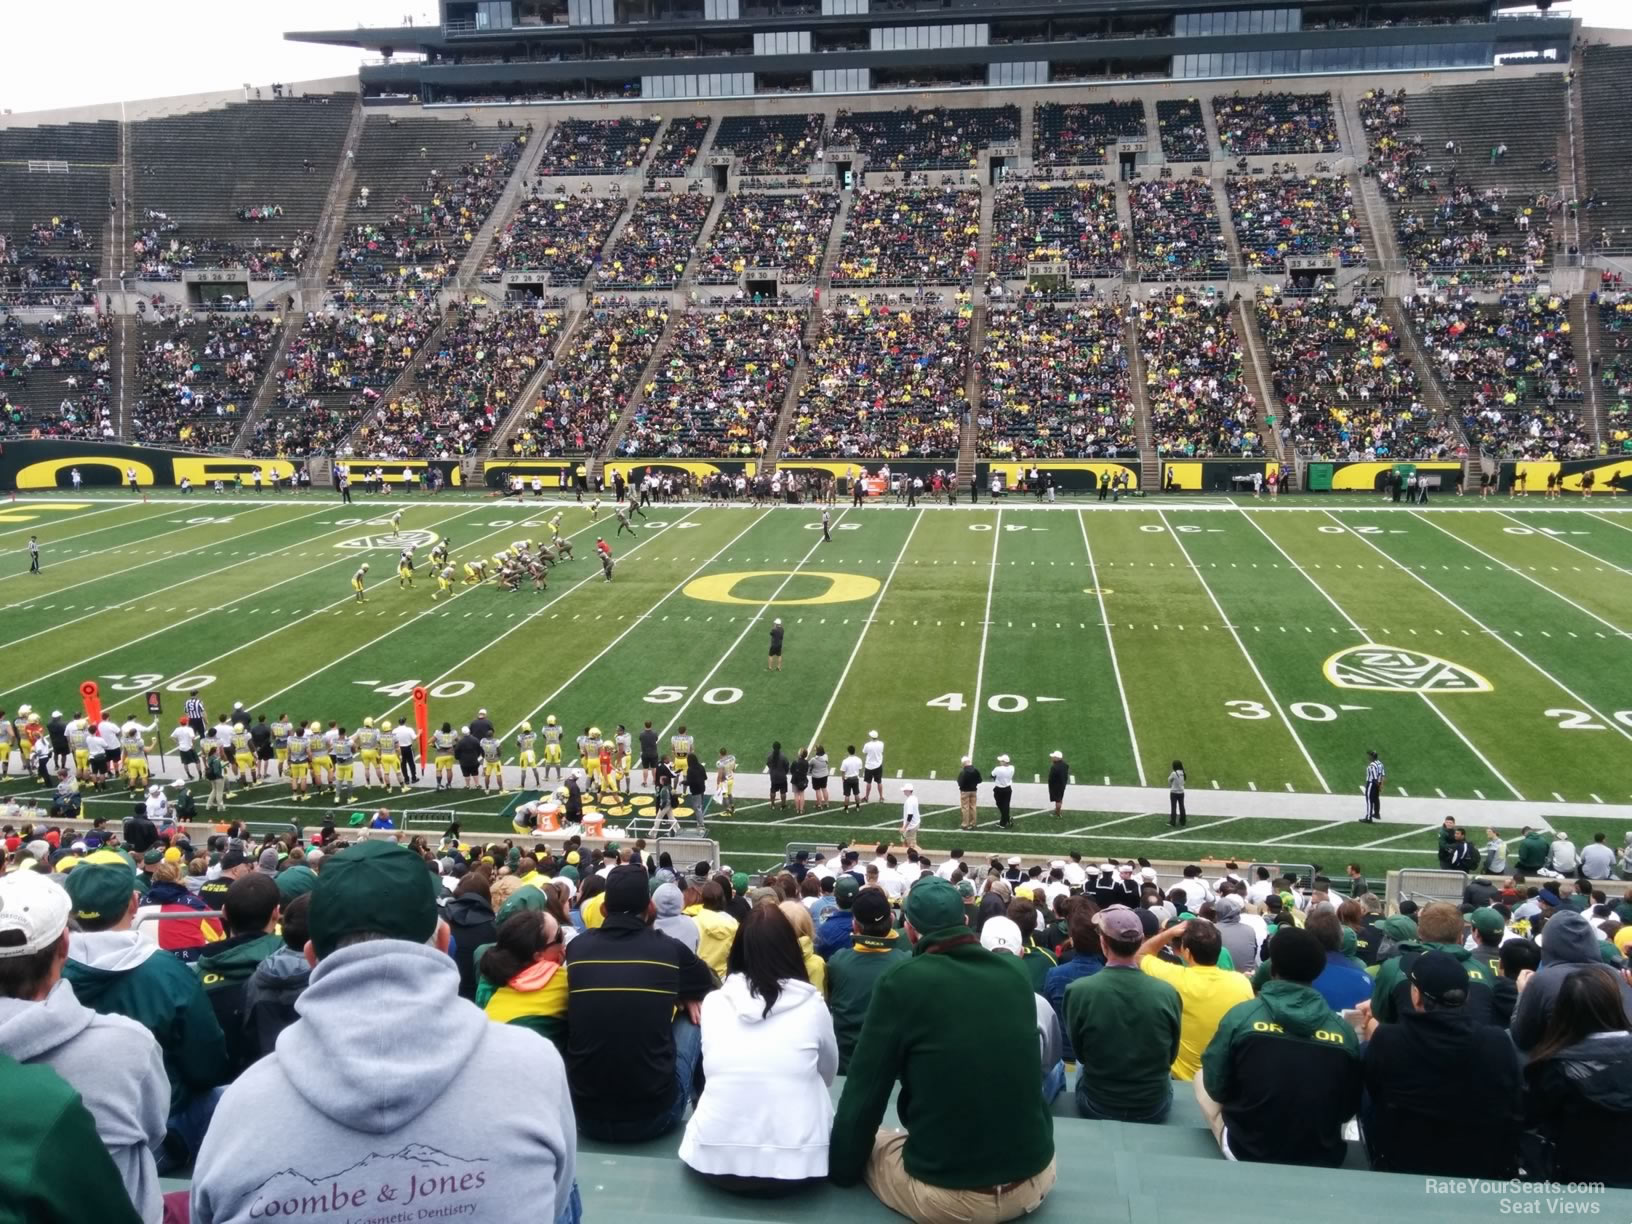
(1389, 669)
(841, 588)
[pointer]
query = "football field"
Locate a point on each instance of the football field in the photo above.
(1482, 649)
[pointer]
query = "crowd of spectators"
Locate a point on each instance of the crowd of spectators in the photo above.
(936, 138)
(885, 382)
(1346, 387)
(463, 391)
(678, 149)
(1509, 368)
(910, 236)
(720, 389)
(1488, 235)
(1615, 367)
(1266, 124)
(198, 374)
(1054, 382)
(1292, 216)
(162, 253)
(769, 231)
(1194, 381)
(420, 237)
(1176, 231)
(51, 258)
(1081, 133)
(593, 379)
(1075, 224)
(771, 144)
(335, 368)
(597, 146)
(561, 235)
(645, 998)
(56, 377)
(656, 242)
(1183, 130)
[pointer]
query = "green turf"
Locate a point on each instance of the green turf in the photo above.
(1220, 620)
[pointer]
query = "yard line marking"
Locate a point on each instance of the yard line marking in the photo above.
(114, 548)
(827, 710)
(194, 578)
(679, 586)
(1600, 517)
(1567, 544)
(1116, 670)
(1319, 828)
(1384, 841)
(702, 685)
(985, 629)
(1533, 581)
(1264, 684)
(1105, 824)
(1184, 830)
(207, 611)
(34, 527)
(1483, 628)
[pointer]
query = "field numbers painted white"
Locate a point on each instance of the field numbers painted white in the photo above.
(1179, 529)
(997, 703)
(836, 526)
(208, 518)
(151, 680)
(665, 694)
(1308, 711)
(1578, 720)
(405, 688)
(725, 695)
(952, 702)
(1006, 703)
(1312, 711)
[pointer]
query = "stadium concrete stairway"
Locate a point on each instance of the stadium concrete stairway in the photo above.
(1606, 102)
(1151, 466)
(1584, 326)
(1263, 388)
(470, 268)
(1433, 393)
(201, 168)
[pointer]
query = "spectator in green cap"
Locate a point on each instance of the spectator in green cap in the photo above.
(945, 1164)
(116, 972)
(834, 930)
(344, 1100)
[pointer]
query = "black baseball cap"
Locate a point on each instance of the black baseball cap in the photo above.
(626, 890)
(870, 906)
(1441, 978)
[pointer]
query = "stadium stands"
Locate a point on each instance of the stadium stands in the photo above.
(1290, 216)
(1199, 401)
(237, 186)
(677, 150)
(1176, 231)
(465, 388)
(597, 146)
(336, 367)
(1075, 223)
(56, 377)
(1054, 383)
(594, 377)
(53, 213)
(1183, 130)
(938, 138)
(198, 377)
(777, 230)
(423, 189)
(770, 144)
(884, 382)
(656, 242)
(1270, 124)
(558, 234)
(720, 389)
(1606, 100)
(1614, 358)
(1080, 133)
(911, 236)
(1509, 368)
(1347, 388)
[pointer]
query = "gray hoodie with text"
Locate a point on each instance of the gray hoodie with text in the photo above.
(379, 1102)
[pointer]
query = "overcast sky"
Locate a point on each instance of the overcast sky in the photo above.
(93, 51)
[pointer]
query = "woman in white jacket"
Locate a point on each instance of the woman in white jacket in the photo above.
(769, 1055)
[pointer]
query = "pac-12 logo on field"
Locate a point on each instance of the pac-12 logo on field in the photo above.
(1389, 669)
(393, 543)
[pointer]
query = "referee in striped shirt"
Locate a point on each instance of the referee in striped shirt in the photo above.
(193, 710)
(1375, 776)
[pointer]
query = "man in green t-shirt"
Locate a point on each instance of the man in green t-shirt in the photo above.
(1124, 1026)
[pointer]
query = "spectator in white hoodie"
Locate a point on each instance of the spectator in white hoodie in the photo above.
(112, 1062)
(769, 1056)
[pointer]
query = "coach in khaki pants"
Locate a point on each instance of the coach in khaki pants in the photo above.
(953, 1006)
(969, 781)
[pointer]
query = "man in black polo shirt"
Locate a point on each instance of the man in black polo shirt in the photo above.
(631, 1062)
